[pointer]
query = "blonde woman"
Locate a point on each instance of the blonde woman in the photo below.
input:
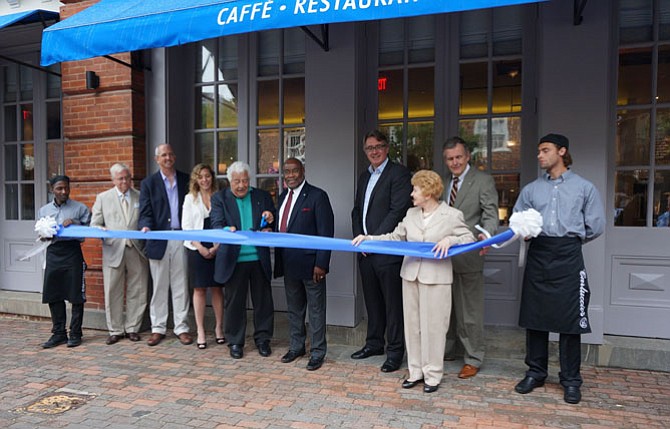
(201, 255)
(426, 283)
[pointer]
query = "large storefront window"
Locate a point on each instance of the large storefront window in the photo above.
(642, 146)
(280, 122)
(406, 88)
(490, 96)
(216, 107)
(25, 138)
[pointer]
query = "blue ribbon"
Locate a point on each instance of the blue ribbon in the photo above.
(284, 240)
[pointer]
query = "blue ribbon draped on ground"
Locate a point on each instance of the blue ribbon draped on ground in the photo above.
(284, 240)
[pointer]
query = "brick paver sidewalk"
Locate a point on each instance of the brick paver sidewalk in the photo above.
(129, 385)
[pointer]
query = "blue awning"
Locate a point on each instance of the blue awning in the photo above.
(113, 26)
(26, 17)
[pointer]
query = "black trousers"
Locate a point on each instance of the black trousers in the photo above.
(248, 276)
(382, 290)
(570, 356)
(59, 318)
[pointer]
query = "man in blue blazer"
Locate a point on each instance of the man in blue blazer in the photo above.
(161, 198)
(244, 268)
(304, 209)
(382, 200)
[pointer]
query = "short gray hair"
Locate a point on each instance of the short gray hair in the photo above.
(237, 167)
(157, 149)
(118, 168)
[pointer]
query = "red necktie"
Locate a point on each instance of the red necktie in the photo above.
(285, 212)
(454, 191)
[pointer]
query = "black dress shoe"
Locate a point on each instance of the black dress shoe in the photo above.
(112, 339)
(292, 355)
(74, 341)
(55, 340)
(408, 384)
(572, 395)
(133, 336)
(264, 349)
(427, 388)
(528, 384)
(366, 352)
(314, 364)
(391, 365)
(236, 351)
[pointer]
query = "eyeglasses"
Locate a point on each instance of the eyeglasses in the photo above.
(374, 148)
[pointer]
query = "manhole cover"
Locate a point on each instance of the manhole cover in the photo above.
(57, 403)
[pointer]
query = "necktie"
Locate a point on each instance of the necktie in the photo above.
(124, 205)
(286, 211)
(126, 214)
(454, 191)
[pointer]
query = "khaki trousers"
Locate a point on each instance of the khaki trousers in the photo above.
(131, 277)
(427, 309)
(169, 276)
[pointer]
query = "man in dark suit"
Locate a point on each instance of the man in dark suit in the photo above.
(304, 209)
(244, 268)
(161, 199)
(382, 200)
(473, 192)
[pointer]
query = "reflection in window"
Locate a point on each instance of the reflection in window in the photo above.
(662, 147)
(21, 144)
(634, 76)
(662, 199)
(26, 119)
(280, 122)
(406, 89)
(55, 159)
(216, 107)
(642, 145)
(490, 98)
(630, 197)
(508, 191)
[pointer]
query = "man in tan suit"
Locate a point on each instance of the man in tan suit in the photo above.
(123, 261)
(473, 192)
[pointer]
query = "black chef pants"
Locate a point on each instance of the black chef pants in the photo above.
(570, 356)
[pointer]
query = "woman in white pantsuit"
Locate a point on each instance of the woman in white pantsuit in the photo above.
(426, 283)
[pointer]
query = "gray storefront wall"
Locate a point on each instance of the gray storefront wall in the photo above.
(571, 80)
(572, 85)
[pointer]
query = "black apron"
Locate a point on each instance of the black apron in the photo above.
(555, 296)
(64, 273)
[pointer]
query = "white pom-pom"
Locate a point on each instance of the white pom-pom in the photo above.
(46, 227)
(527, 223)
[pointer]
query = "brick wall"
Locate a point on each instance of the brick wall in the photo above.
(101, 127)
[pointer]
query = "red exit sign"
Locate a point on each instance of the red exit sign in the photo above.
(381, 83)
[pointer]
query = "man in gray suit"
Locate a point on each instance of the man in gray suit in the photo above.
(474, 193)
(123, 261)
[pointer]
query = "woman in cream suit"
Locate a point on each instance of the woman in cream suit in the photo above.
(201, 255)
(426, 283)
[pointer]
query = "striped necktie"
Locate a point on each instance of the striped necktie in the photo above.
(454, 191)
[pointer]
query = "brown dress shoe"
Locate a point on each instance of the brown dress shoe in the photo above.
(112, 339)
(155, 339)
(468, 371)
(133, 336)
(185, 338)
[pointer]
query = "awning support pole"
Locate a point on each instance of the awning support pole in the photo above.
(21, 63)
(579, 6)
(324, 35)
